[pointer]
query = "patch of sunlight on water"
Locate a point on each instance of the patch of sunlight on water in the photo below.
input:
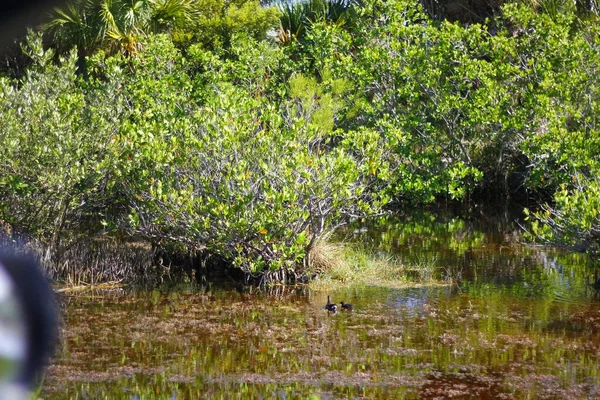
(521, 324)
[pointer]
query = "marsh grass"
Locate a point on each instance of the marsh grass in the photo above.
(343, 264)
(85, 287)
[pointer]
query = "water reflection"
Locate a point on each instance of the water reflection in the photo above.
(521, 323)
(476, 255)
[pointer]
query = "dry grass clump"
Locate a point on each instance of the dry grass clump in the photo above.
(342, 264)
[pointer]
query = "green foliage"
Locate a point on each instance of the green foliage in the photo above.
(56, 149)
(115, 25)
(258, 67)
(562, 83)
(219, 21)
(555, 9)
(574, 217)
(563, 149)
(465, 108)
(425, 94)
(77, 26)
(137, 151)
(298, 16)
(235, 175)
(216, 138)
(314, 103)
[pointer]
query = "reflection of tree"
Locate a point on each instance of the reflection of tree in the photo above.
(477, 253)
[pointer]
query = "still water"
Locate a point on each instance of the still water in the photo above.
(521, 323)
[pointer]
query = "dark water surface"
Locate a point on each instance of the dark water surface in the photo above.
(521, 324)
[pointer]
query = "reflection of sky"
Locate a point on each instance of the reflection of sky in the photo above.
(413, 301)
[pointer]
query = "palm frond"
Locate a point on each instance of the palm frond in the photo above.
(115, 24)
(164, 11)
(106, 13)
(297, 16)
(72, 26)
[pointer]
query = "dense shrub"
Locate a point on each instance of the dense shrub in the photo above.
(565, 148)
(253, 151)
(506, 108)
(136, 151)
(251, 182)
(219, 21)
(57, 151)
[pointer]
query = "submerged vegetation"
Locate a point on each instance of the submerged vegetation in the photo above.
(228, 134)
(412, 343)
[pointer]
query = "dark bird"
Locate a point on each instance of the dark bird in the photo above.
(330, 306)
(346, 306)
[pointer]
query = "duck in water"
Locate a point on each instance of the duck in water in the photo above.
(332, 307)
(346, 306)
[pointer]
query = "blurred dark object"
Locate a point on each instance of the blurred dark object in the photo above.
(28, 319)
(18, 15)
(28, 322)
